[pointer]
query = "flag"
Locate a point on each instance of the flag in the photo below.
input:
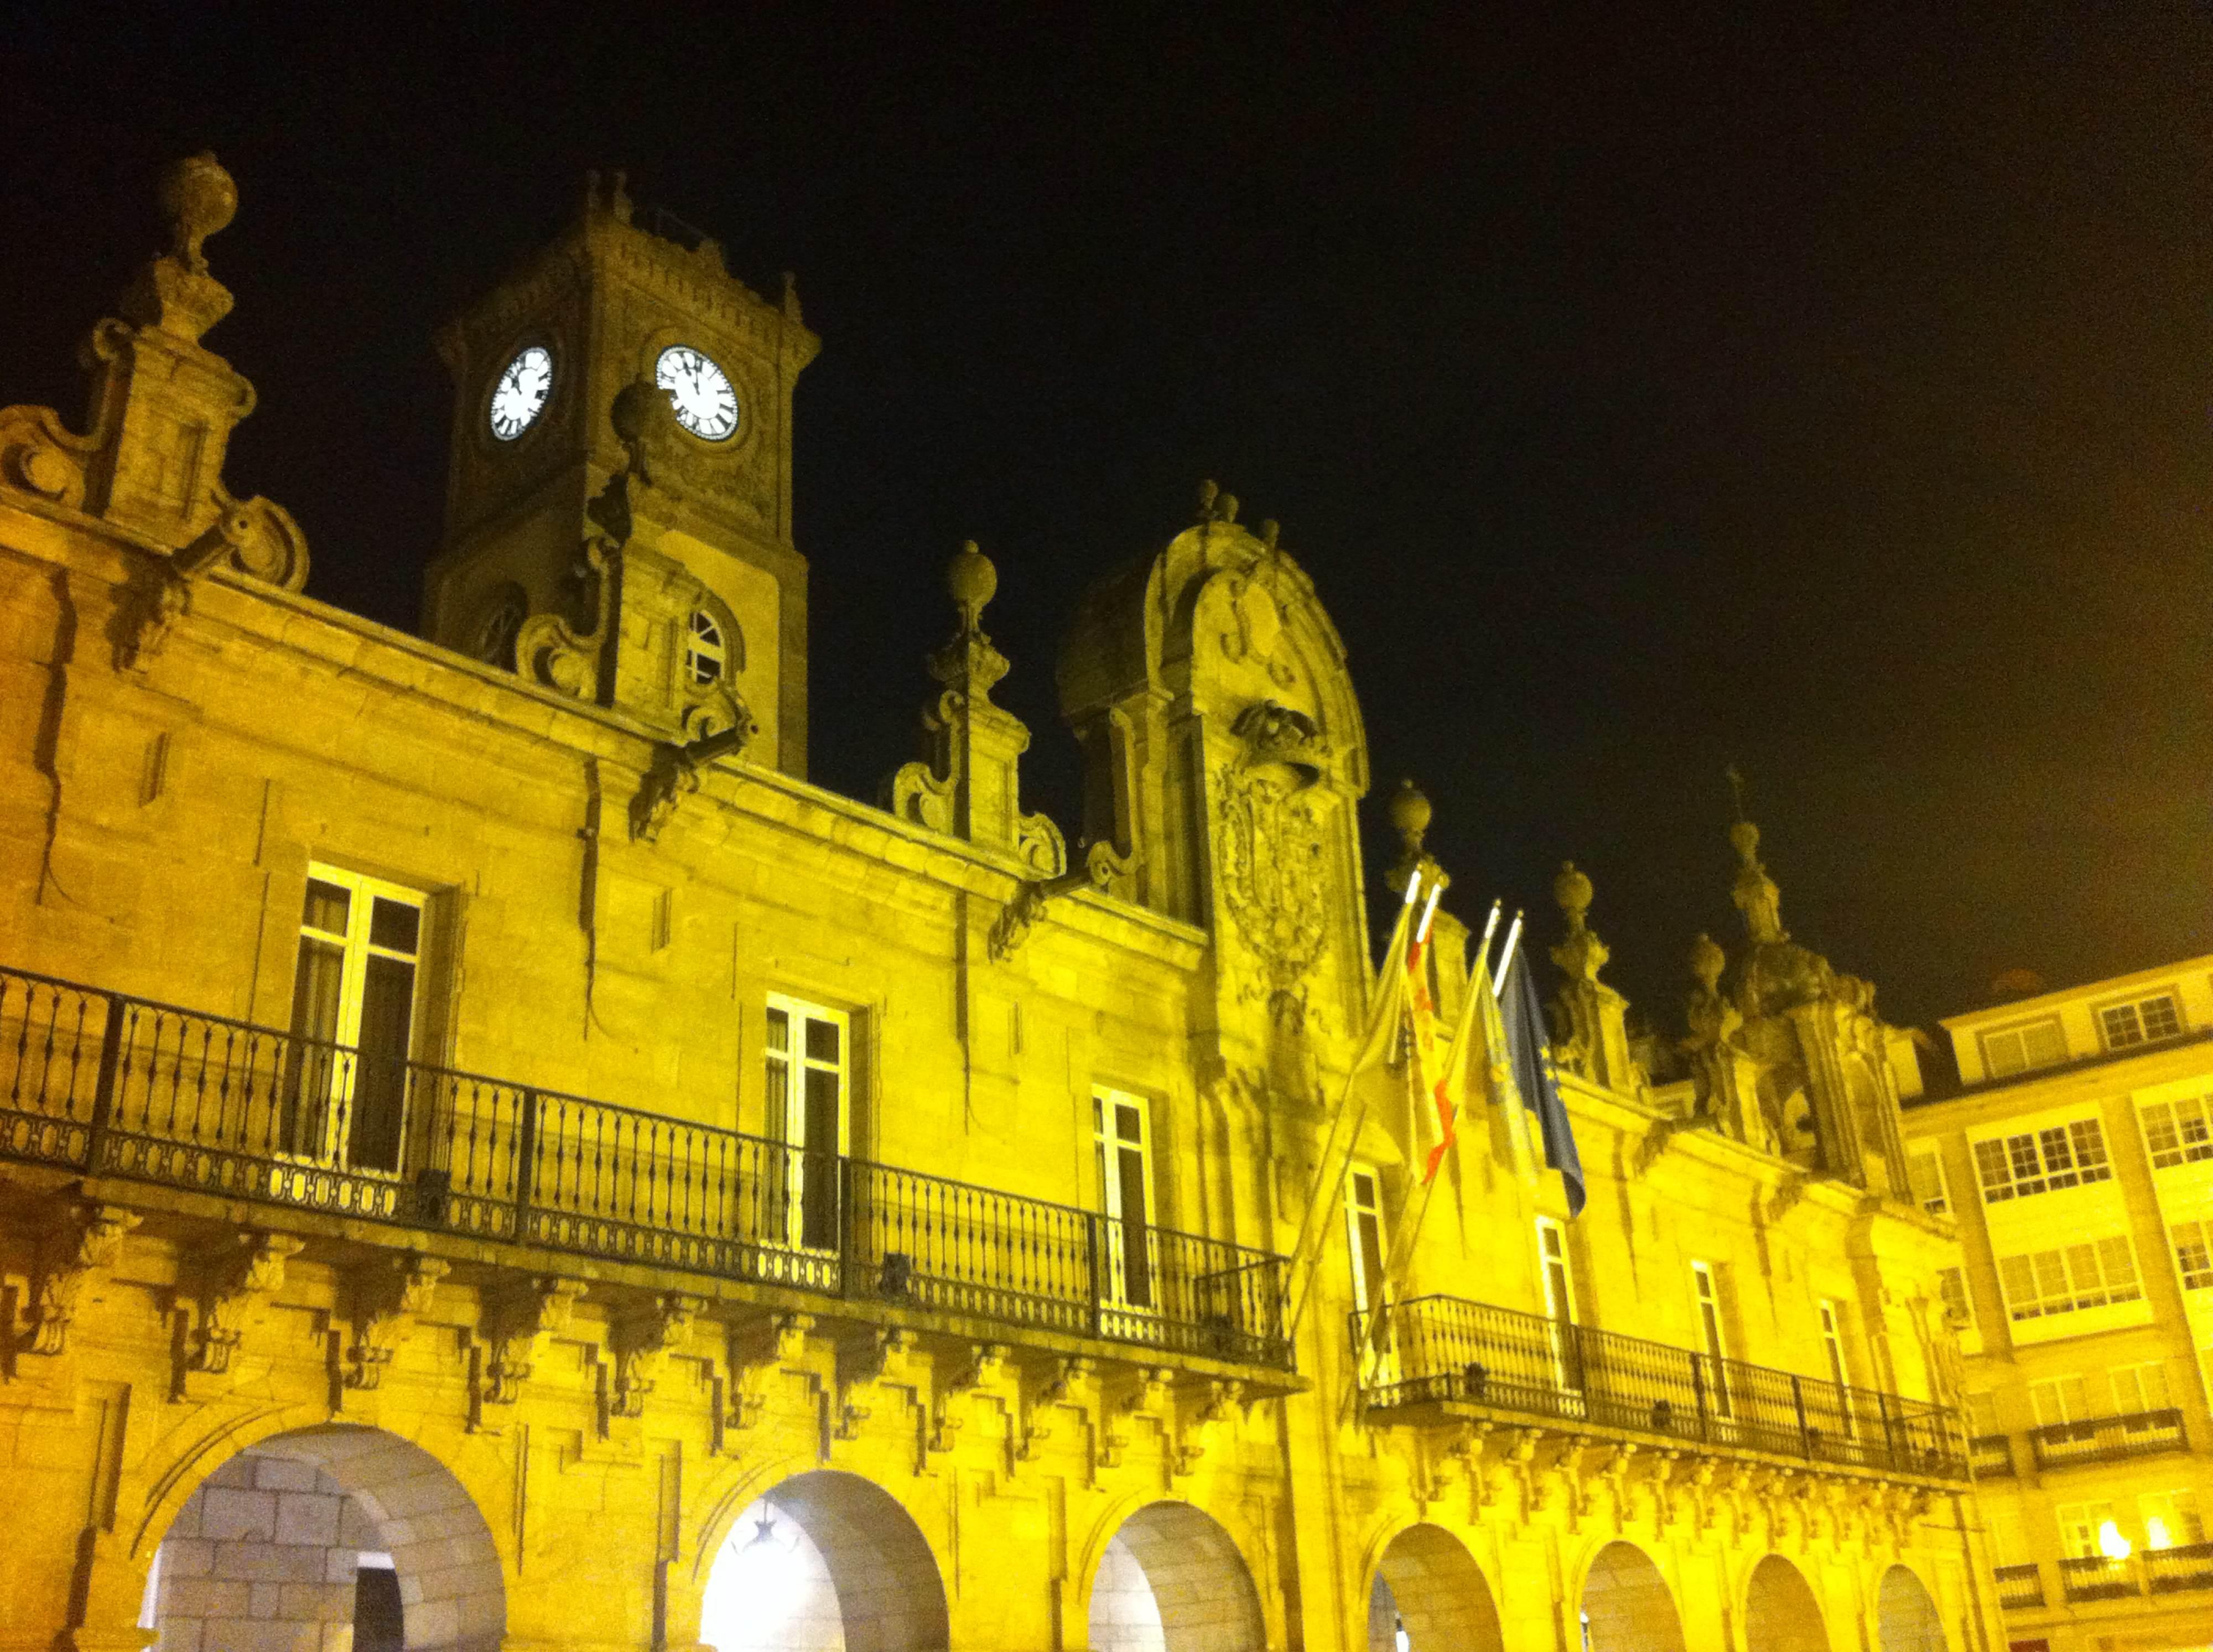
(1425, 1062)
(1529, 1055)
(1386, 1016)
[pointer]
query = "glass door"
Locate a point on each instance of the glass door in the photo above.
(1123, 1146)
(1363, 1230)
(344, 1098)
(807, 1055)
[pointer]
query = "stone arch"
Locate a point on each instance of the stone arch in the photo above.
(1781, 1613)
(1906, 1619)
(314, 1499)
(856, 1573)
(1172, 1579)
(1426, 1579)
(1627, 1606)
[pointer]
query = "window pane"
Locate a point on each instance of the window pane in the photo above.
(2043, 1044)
(822, 1040)
(2002, 1054)
(2121, 1027)
(394, 925)
(1129, 1124)
(328, 905)
(2161, 1018)
(380, 1092)
(313, 1074)
(1991, 1165)
(779, 1029)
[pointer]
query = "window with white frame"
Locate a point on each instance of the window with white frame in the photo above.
(1559, 1277)
(1832, 1344)
(2171, 1518)
(2059, 1400)
(706, 654)
(1958, 1304)
(2193, 1254)
(1706, 1291)
(2017, 1049)
(2072, 1155)
(1363, 1227)
(2142, 1021)
(354, 991)
(1924, 1170)
(2139, 1390)
(2080, 1525)
(1122, 1144)
(2092, 1274)
(2176, 1132)
(808, 1060)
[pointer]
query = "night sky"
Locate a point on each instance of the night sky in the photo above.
(1826, 393)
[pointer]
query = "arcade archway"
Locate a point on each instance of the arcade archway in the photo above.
(361, 1530)
(825, 1562)
(1626, 1606)
(1427, 1584)
(1905, 1617)
(1172, 1580)
(1780, 1611)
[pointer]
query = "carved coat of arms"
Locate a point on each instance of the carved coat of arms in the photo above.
(1271, 848)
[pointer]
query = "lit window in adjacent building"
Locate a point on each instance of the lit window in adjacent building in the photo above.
(2176, 1132)
(353, 1016)
(2193, 1255)
(704, 654)
(2042, 1161)
(2059, 1399)
(2171, 1518)
(2145, 1022)
(2080, 1523)
(1958, 1307)
(2138, 1389)
(1925, 1171)
(2017, 1049)
(2089, 1275)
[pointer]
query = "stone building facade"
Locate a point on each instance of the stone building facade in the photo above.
(2078, 1158)
(480, 1083)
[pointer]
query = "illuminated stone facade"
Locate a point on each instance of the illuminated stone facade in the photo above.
(477, 1088)
(2078, 1162)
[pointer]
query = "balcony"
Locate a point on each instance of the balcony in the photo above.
(1990, 1456)
(2021, 1588)
(1443, 1351)
(2168, 1571)
(2107, 1439)
(2094, 1577)
(108, 1086)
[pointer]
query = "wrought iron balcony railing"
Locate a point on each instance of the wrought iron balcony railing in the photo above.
(114, 1085)
(1991, 1456)
(2021, 1588)
(2096, 1577)
(2188, 1566)
(2107, 1439)
(1443, 1349)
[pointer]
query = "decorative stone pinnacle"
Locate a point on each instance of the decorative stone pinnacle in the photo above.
(1411, 813)
(1572, 890)
(1707, 961)
(1215, 505)
(174, 293)
(1581, 954)
(973, 581)
(199, 198)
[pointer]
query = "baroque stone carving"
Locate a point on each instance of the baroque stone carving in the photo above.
(643, 1338)
(391, 1301)
(520, 1321)
(89, 1243)
(674, 775)
(243, 1281)
(1270, 876)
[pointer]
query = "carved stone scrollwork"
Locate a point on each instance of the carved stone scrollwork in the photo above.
(1271, 877)
(674, 775)
(986, 1363)
(43, 457)
(1224, 1407)
(887, 1359)
(550, 651)
(89, 1243)
(519, 1322)
(1071, 1387)
(1101, 867)
(242, 1282)
(643, 1339)
(391, 1299)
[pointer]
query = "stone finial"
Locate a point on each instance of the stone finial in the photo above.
(174, 293)
(1755, 894)
(1215, 505)
(1410, 813)
(973, 581)
(1707, 961)
(1582, 953)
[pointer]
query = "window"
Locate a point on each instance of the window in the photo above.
(2171, 1518)
(1124, 1150)
(1925, 1173)
(2147, 1020)
(2088, 1275)
(1707, 1293)
(2017, 1049)
(704, 654)
(2043, 1160)
(807, 1058)
(1364, 1221)
(2175, 1132)
(1832, 1344)
(2138, 1389)
(2059, 1399)
(1560, 1278)
(1959, 1306)
(353, 1018)
(2079, 1524)
(2193, 1256)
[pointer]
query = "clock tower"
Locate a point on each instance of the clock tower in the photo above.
(639, 555)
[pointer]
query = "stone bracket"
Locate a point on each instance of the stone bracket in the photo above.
(674, 775)
(643, 1337)
(755, 1360)
(986, 1363)
(88, 1243)
(1072, 1385)
(242, 1282)
(1102, 868)
(388, 1301)
(886, 1360)
(518, 1322)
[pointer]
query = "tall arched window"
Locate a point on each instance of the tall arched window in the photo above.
(704, 652)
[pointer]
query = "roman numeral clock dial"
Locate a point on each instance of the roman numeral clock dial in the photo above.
(520, 396)
(705, 402)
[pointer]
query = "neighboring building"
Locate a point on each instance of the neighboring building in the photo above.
(2077, 1160)
(490, 1156)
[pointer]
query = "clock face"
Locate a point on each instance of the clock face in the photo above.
(520, 396)
(706, 405)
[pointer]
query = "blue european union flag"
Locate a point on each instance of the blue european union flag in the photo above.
(1530, 1055)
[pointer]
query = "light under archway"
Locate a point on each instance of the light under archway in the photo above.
(1905, 1617)
(1780, 1611)
(1428, 1582)
(309, 1510)
(1172, 1580)
(824, 1562)
(1626, 1606)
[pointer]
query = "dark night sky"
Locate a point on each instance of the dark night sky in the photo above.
(1827, 392)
